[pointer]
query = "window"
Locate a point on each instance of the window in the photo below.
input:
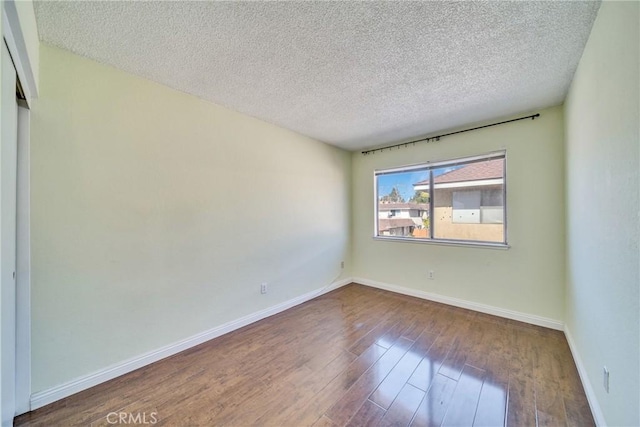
(478, 206)
(456, 201)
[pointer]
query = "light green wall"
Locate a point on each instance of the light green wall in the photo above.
(156, 216)
(603, 210)
(528, 277)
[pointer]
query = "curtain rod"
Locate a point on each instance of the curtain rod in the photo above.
(437, 137)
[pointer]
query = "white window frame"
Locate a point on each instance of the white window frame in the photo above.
(429, 166)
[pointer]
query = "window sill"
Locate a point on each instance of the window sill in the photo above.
(443, 242)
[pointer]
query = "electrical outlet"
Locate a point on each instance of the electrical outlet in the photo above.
(606, 379)
(431, 275)
(341, 264)
(263, 288)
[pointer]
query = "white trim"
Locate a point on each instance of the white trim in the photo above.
(598, 416)
(488, 309)
(445, 242)
(8, 172)
(12, 33)
(462, 184)
(23, 267)
(82, 383)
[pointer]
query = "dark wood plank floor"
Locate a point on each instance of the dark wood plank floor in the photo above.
(356, 356)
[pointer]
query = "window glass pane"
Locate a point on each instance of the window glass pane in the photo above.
(459, 200)
(466, 206)
(492, 196)
(468, 201)
(492, 215)
(492, 211)
(403, 206)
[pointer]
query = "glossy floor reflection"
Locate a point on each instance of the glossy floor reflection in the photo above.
(357, 356)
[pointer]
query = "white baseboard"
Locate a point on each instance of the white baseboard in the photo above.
(488, 309)
(586, 383)
(51, 395)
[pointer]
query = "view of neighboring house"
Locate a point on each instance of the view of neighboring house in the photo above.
(468, 202)
(401, 219)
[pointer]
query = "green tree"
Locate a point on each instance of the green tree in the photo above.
(426, 223)
(420, 197)
(393, 197)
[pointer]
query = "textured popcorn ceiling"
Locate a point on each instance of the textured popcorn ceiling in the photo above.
(353, 74)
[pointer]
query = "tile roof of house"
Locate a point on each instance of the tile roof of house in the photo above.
(389, 206)
(386, 224)
(490, 169)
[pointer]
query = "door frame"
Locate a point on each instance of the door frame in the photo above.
(23, 265)
(8, 188)
(13, 34)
